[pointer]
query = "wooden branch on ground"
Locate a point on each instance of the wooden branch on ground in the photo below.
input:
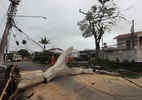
(76, 70)
(28, 78)
(106, 72)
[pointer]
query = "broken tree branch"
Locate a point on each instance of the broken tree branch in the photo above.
(60, 67)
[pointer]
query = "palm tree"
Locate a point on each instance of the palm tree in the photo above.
(44, 41)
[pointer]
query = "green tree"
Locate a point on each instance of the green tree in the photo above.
(44, 41)
(99, 19)
(24, 53)
(10, 56)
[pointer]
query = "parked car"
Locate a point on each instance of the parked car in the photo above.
(17, 58)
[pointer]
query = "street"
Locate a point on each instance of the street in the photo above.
(26, 66)
(82, 87)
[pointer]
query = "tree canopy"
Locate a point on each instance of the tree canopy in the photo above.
(99, 19)
(24, 53)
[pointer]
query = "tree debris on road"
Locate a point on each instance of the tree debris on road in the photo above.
(60, 67)
(106, 72)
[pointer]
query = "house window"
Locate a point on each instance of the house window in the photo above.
(140, 40)
(128, 44)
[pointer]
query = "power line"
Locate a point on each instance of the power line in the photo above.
(120, 44)
(28, 30)
(28, 48)
(132, 82)
(110, 88)
(26, 34)
(112, 95)
(20, 36)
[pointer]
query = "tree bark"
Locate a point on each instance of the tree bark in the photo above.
(28, 78)
(97, 52)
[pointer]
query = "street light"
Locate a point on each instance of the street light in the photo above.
(31, 16)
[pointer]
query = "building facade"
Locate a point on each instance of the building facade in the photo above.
(56, 50)
(75, 54)
(129, 48)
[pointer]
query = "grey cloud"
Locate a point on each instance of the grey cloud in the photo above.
(62, 17)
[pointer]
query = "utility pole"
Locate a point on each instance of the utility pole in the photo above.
(11, 13)
(133, 35)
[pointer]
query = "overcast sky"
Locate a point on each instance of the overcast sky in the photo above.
(61, 24)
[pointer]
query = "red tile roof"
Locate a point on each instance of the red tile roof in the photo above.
(127, 35)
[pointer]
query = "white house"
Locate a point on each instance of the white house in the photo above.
(129, 48)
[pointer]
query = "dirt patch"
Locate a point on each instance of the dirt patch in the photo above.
(49, 91)
(109, 84)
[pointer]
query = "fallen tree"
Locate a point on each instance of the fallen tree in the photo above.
(28, 78)
(106, 72)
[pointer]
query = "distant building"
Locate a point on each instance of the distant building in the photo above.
(75, 54)
(56, 50)
(14, 52)
(129, 48)
(129, 41)
(87, 54)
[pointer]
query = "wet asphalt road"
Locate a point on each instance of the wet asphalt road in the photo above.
(82, 91)
(26, 66)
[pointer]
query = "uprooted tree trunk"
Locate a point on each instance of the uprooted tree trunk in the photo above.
(31, 77)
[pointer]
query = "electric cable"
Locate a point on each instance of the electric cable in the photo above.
(19, 36)
(118, 44)
(111, 87)
(29, 30)
(28, 48)
(26, 35)
(115, 96)
(16, 36)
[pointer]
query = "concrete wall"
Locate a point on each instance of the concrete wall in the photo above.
(139, 55)
(121, 43)
(122, 55)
